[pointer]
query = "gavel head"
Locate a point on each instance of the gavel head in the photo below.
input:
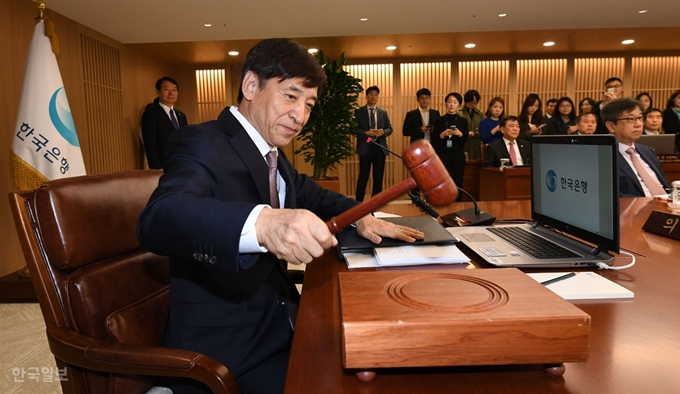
(430, 174)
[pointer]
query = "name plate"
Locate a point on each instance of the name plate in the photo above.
(669, 158)
(663, 223)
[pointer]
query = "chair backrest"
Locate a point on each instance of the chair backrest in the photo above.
(89, 271)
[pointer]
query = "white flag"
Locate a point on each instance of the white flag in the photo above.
(44, 142)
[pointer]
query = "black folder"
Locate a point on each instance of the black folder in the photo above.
(435, 234)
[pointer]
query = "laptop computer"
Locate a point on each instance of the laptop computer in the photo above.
(663, 144)
(574, 191)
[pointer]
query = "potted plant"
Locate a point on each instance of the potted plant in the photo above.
(326, 138)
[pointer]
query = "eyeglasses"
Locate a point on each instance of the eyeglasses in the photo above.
(631, 120)
(613, 86)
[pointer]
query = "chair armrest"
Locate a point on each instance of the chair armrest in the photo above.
(76, 349)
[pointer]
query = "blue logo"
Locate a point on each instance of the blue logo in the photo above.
(551, 180)
(60, 115)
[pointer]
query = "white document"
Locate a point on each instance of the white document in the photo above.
(360, 260)
(420, 254)
(583, 286)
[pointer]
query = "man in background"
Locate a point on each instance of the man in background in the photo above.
(372, 131)
(473, 115)
(586, 123)
(418, 122)
(653, 121)
(549, 109)
(613, 90)
(160, 119)
(508, 147)
(640, 173)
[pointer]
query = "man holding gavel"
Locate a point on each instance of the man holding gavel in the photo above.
(230, 210)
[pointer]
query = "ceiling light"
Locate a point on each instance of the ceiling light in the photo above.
(470, 45)
(642, 12)
(502, 15)
(390, 47)
(233, 53)
(207, 24)
(548, 43)
(312, 50)
(363, 19)
(627, 42)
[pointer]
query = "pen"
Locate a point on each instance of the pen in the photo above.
(559, 278)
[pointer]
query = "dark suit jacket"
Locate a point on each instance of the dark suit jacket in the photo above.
(601, 128)
(413, 122)
(556, 126)
(629, 186)
(496, 151)
(224, 304)
(361, 117)
(156, 129)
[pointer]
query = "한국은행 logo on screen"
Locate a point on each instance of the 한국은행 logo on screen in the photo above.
(551, 180)
(60, 115)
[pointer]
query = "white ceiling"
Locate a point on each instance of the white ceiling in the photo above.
(157, 21)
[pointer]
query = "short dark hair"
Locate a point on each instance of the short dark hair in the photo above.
(507, 119)
(422, 92)
(456, 95)
(169, 79)
(613, 79)
(472, 95)
(671, 99)
(491, 103)
(583, 115)
(552, 100)
(282, 58)
(373, 89)
(613, 109)
(650, 110)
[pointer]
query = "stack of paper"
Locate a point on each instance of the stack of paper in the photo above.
(583, 286)
(406, 255)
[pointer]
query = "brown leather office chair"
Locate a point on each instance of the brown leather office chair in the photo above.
(104, 299)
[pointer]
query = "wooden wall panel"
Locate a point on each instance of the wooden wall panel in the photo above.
(591, 73)
(490, 78)
(212, 92)
(545, 77)
(659, 76)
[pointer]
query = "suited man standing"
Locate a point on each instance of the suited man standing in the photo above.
(509, 147)
(613, 89)
(640, 173)
(160, 119)
(230, 210)
(373, 123)
(418, 122)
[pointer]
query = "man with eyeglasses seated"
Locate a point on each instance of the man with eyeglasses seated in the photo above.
(613, 90)
(640, 173)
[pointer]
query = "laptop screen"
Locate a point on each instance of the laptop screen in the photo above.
(574, 187)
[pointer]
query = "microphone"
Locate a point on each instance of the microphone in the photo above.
(468, 217)
(420, 203)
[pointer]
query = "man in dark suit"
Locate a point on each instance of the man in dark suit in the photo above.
(214, 213)
(418, 122)
(160, 119)
(374, 124)
(640, 172)
(613, 90)
(509, 147)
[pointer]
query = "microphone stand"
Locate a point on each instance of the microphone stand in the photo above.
(469, 217)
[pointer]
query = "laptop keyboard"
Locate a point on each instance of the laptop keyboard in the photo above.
(532, 244)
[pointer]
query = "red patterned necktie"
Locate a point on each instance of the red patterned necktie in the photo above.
(513, 155)
(273, 191)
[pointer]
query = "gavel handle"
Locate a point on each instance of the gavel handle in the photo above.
(355, 213)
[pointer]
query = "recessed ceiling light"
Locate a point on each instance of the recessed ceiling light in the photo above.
(207, 24)
(627, 42)
(233, 53)
(502, 15)
(642, 12)
(312, 50)
(548, 43)
(390, 47)
(470, 45)
(363, 19)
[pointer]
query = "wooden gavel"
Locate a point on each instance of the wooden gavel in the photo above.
(427, 172)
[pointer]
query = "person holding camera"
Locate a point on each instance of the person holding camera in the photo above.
(449, 134)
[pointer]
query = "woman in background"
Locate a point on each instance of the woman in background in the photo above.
(530, 117)
(671, 118)
(586, 105)
(645, 99)
(489, 127)
(449, 134)
(473, 115)
(564, 121)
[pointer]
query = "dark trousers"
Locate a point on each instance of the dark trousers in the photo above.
(375, 157)
(454, 161)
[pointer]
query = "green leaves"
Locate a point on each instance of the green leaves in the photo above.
(327, 135)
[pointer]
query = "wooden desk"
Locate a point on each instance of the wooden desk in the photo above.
(501, 185)
(671, 170)
(635, 345)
